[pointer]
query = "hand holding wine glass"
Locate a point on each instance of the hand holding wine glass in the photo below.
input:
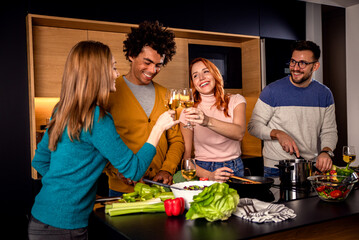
(187, 101)
(172, 100)
(349, 154)
(188, 168)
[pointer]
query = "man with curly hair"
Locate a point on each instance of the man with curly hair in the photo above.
(139, 101)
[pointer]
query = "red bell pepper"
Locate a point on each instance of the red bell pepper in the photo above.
(174, 207)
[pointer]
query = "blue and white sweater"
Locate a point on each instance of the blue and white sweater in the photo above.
(306, 114)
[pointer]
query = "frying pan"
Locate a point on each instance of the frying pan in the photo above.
(245, 188)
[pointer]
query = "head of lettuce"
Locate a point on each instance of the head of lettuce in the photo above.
(216, 202)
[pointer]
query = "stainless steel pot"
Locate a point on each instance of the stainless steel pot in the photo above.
(295, 171)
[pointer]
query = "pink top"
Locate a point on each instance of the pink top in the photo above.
(209, 145)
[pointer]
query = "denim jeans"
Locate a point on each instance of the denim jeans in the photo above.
(236, 165)
(113, 193)
(271, 172)
(40, 231)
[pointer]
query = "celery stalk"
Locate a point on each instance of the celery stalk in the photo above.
(131, 204)
(152, 205)
(139, 208)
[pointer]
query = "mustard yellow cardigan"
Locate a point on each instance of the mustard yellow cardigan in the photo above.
(134, 127)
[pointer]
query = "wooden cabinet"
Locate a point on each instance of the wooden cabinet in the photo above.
(51, 38)
(51, 47)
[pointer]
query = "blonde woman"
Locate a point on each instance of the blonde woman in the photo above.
(80, 137)
(219, 121)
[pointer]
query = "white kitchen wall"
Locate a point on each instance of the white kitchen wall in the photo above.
(352, 61)
(314, 32)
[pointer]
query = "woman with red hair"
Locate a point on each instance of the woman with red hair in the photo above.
(218, 121)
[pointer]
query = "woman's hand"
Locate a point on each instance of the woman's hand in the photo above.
(163, 123)
(196, 116)
(166, 120)
(221, 174)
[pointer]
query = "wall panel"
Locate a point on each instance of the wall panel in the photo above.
(51, 47)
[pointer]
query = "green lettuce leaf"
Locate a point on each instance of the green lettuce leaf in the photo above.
(216, 202)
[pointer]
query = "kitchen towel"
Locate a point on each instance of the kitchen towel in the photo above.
(264, 212)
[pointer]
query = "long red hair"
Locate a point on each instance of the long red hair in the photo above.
(222, 99)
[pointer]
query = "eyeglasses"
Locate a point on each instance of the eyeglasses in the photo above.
(301, 64)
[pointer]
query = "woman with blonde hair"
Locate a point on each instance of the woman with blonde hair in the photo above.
(219, 124)
(81, 138)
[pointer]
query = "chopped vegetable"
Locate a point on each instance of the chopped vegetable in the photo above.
(333, 192)
(145, 192)
(321, 188)
(174, 207)
(336, 194)
(165, 195)
(153, 205)
(344, 171)
(216, 202)
(194, 187)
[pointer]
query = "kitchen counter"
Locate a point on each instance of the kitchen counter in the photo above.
(312, 213)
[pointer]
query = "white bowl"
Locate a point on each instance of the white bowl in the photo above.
(188, 194)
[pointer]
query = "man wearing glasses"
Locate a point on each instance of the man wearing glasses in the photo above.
(295, 115)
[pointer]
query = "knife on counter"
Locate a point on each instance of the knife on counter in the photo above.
(107, 199)
(161, 184)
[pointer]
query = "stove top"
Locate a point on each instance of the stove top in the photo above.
(288, 192)
(280, 192)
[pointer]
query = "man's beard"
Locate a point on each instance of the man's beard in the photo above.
(303, 79)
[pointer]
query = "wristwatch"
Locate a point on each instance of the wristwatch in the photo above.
(330, 153)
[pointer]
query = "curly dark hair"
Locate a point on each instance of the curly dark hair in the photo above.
(151, 34)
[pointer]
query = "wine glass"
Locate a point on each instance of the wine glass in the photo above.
(187, 101)
(172, 100)
(349, 154)
(188, 168)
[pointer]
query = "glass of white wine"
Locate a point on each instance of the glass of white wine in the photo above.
(188, 168)
(187, 101)
(349, 154)
(172, 100)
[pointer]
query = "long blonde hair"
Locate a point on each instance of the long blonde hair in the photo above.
(222, 99)
(86, 83)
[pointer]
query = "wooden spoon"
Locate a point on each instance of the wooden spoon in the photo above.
(245, 180)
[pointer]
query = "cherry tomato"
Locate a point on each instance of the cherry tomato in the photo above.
(321, 188)
(336, 194)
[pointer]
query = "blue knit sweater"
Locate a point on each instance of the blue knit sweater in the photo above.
(306, 114)
(70, 173)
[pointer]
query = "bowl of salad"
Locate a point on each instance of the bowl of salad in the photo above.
(190, 189)
(332, 188)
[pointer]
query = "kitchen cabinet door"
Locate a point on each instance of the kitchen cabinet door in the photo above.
(51, 46)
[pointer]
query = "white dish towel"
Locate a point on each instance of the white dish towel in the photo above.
(266, 212)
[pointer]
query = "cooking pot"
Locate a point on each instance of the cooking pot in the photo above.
(295, 171)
